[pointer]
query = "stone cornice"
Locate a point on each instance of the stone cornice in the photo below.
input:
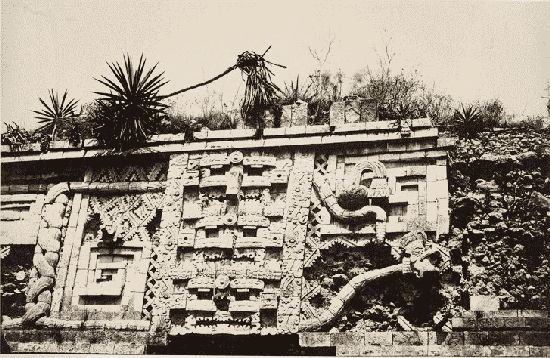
(298, 136)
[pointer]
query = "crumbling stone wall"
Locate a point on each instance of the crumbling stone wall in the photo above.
(16, 272)
(380, 304)
(500, 223)
(252, 200)
(174, 236)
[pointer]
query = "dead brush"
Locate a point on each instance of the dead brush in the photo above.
(260, 93)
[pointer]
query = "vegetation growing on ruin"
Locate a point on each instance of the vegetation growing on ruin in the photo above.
(130, 112)
(132, 109)
(57, 114)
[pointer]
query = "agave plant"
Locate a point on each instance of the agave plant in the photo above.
(468, 121)
(133, 106)
(295, 92)
(57, 114)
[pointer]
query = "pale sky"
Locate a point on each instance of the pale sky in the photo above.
(469, 50)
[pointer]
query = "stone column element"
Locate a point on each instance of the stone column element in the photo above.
(46, 255)
(165, 243)
(296, 216)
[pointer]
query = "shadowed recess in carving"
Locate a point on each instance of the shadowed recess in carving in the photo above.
(417, 257)
(16, 269)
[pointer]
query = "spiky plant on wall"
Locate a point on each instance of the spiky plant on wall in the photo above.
(56, 114)
(468, 121)
(133, 107)
(15, 136)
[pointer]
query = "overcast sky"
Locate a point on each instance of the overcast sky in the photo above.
(469, 50)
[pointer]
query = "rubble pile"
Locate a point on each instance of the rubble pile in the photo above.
(500, 216)
(382, 302)
(499, 240)
(16, 271)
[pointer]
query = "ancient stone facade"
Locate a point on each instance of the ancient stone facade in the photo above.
(213, 236)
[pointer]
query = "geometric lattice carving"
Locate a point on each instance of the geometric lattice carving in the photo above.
(127, 216)
(149, 295)
(132, 173)
(321, 163)
(313, 236)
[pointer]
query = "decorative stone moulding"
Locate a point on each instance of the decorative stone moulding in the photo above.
(220, 244)
(59, 216)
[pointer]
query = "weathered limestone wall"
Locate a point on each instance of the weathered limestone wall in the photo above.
(508, 333)
(219, 235)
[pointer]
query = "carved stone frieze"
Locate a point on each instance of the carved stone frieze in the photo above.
(225, 241)
(242, 230)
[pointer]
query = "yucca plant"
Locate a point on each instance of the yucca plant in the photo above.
(294, 92)
(468, 121)
(57, 114)
(133, 107)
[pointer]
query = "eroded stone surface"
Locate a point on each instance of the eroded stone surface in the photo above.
(227, 243)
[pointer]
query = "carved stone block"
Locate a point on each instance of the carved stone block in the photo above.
(299, 113)
(291, 286)
(368, 108)
(186, 238)
(190, 178)
(268, 300)
(286, 117)
(279, 176)
(259, 161)
(337, 113)
(292, 267)
(352, 112)
(288, 323)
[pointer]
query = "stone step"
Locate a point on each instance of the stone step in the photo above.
(506, 313)
(442, 351)
(117, 348)
(420, 338)
(500, 323)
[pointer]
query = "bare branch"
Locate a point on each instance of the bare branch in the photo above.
(316, 55)
(331, 41)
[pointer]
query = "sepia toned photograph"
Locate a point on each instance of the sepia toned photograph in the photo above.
(246, 178)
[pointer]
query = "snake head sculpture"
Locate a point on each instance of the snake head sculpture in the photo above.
(419, 256)
(369, 180)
